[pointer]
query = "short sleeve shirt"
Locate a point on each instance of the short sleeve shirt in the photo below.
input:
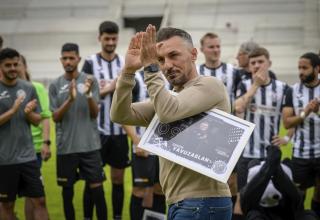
(16, 144)
(77, 132)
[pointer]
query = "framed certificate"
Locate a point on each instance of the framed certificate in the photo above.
(209, 143)
(151, 215)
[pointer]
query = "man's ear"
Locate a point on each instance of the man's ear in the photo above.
(194, 54)
(270, 63)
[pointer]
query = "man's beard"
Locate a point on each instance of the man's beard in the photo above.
(309, 78)
(109, 49)
(9, 76)
(69, 69)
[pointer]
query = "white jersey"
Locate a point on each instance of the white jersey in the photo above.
(105, 71)
(307, 134)
(264, 111)
(226, 73)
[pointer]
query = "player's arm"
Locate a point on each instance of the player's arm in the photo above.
(243, 101)
(45, 115)
(60, 111)
(33, 117)
(131, 132)
(108, 87)
(260, 78)
(290, 119)
(45, 149)
(6, 116)
(123, 111)
(32, 109)
(92, 93)
(278, 141)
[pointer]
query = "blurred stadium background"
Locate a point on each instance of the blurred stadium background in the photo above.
(38, 28)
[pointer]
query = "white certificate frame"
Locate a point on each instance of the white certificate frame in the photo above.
(235, 131)
(147, 214)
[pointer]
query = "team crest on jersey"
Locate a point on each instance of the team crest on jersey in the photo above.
(21, 93)
(81, 88)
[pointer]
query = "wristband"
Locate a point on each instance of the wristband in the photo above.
(89, 95)
(47, 142)
(302, 115)
(286, 138)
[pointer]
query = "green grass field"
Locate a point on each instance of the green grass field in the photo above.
(54, 198)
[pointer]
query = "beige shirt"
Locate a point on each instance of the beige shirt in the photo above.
(198, 95)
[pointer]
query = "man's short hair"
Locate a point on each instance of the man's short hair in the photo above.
(69, 47)
(314, 58)
(248, 47)
(108, 27)
(169, 32)
(208, 35)
(8, 53)
(1, 42)
(260, 51)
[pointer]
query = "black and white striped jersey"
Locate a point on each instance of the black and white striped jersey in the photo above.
(139, 94)
(264, 111)
(105, 71)
(307, 134)
(227, 73)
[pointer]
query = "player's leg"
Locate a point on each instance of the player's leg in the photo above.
(8, 190)
(28, 205)
(92, 171)
(67, 175)
(118, 160)
(32, 188)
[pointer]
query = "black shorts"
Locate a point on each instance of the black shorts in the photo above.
(145, 170)
(88, 165)
(305, 171)
(115, 150)
(22, 179)
(242, 171)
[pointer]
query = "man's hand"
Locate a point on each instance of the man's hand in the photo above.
(278, 141)
(17, 103)
(132, 58)
(72, 90)
(312, 106)
(261, 76)
(88, 84)
(30, 107)
(140, 152)
(108, 86)
(148, 46)
(45, 152)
